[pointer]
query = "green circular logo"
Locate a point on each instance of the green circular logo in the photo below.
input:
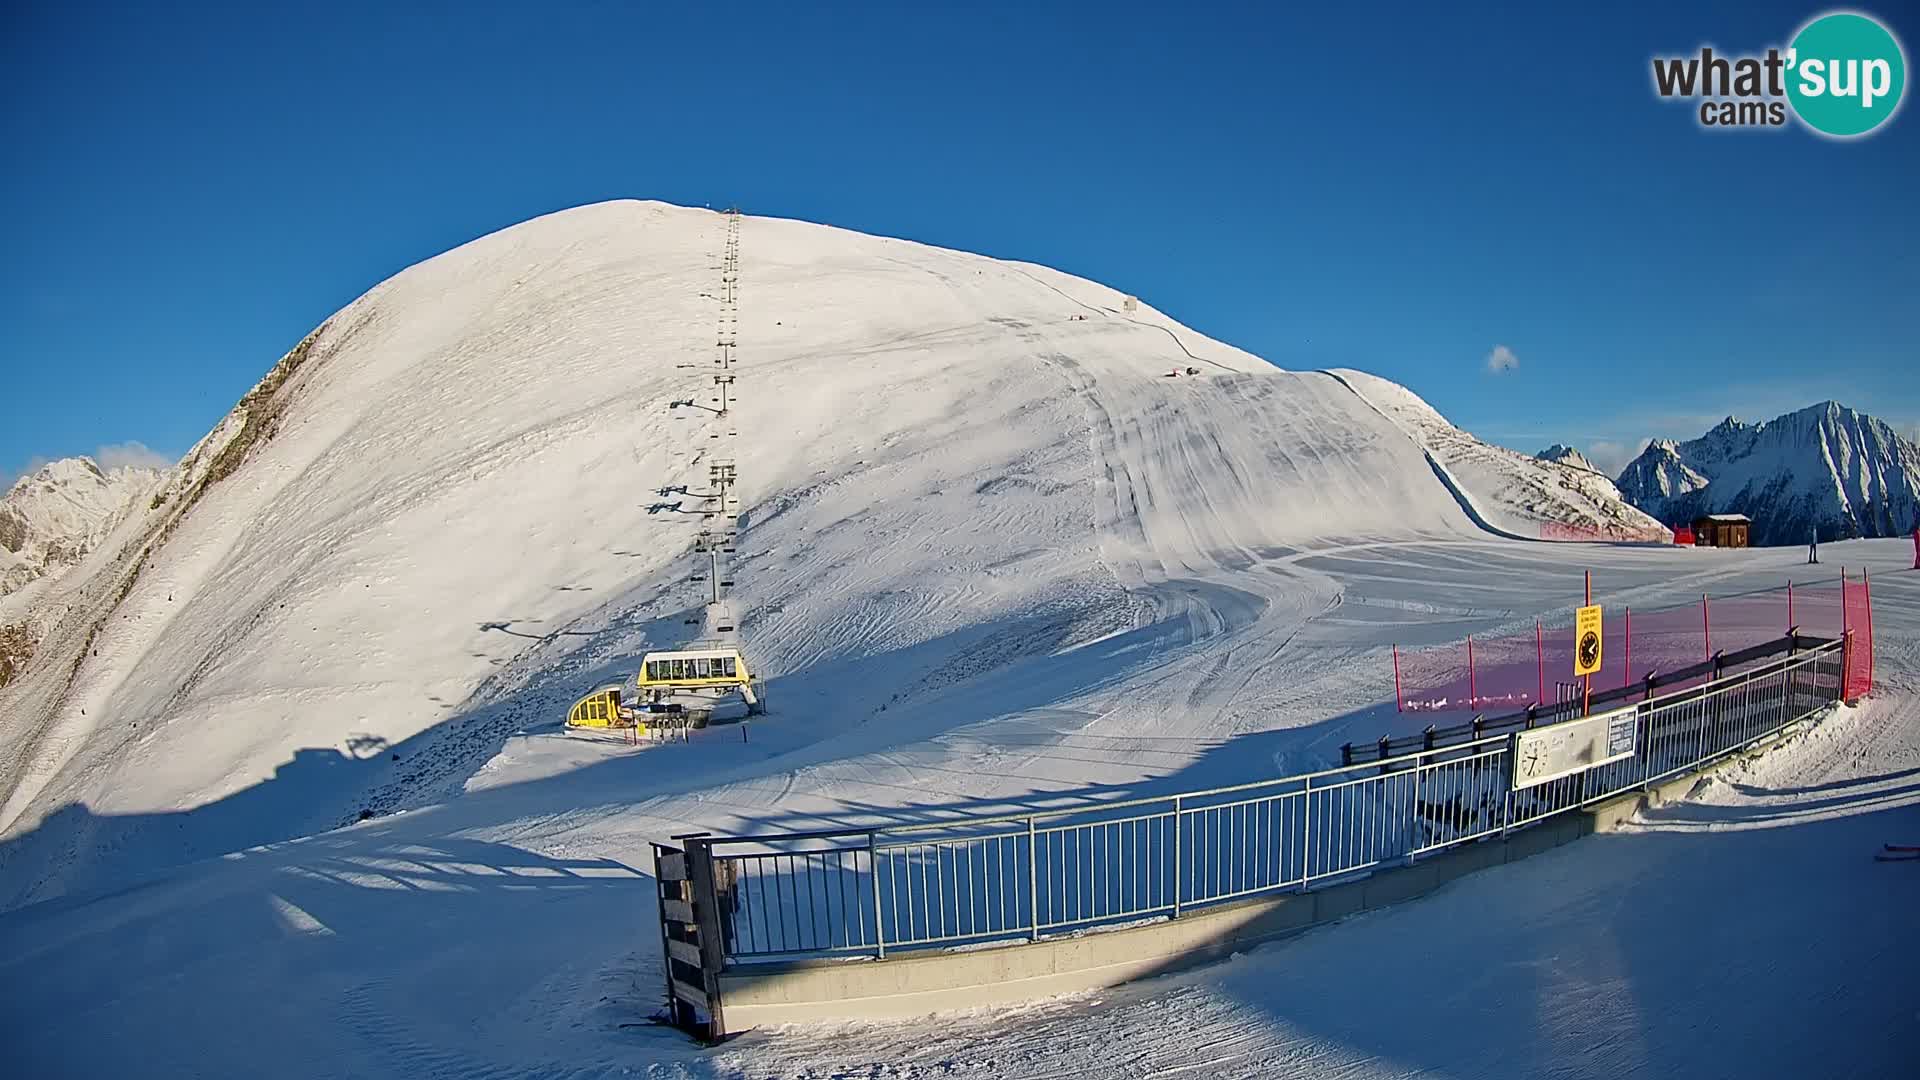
(1845, 74)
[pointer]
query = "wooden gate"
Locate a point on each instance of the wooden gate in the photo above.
(690, 944)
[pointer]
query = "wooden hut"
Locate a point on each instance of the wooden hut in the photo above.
(1721, 530)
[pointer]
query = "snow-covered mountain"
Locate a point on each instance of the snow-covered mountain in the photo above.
(1560, 454)
(438, 519)
(52, 517)
(1505, 490)
(1825, 467)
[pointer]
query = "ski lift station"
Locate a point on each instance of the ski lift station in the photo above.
(719, 668)
(698, 679)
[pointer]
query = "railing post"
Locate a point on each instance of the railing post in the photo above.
(1413, 807)
(1033, 882)
(1506, 783)
(1178, 878)
(879, 924)
(1306, 834)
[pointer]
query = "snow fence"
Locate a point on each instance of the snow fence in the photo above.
(1535, 668)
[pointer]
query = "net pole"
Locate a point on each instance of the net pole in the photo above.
(1399, 698)
(1586, 693)
(1706, 626)
(1473, 695)
(1540, 661)
(1626, 665)
(1866, 596)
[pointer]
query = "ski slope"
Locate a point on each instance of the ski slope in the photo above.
(1506, 491)
(992, 556)
(1747, 932)
(451, 527)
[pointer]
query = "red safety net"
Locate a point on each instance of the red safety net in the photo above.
(1858, 607)
(1508, 672)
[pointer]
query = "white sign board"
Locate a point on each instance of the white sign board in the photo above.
(1557, 750)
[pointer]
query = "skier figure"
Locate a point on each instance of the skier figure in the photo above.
(1813, 545)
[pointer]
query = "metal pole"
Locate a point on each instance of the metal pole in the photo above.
(1399, 699)
(1306, 834)
(1033, 884)
(1413, 809)
(1177, 877)
(1586, 694)
(1706, 625)
(1540, 661)
(1626, 666)
(1473, 694)
(879, 926)
(1866, 591)
(1846, 638)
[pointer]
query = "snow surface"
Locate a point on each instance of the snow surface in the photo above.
(505, 933)
(992, 557)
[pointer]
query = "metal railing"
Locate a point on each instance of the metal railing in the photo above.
(985, 880)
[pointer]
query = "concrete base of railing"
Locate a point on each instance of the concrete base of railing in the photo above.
(918, 983)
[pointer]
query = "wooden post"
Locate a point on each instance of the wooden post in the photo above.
(706, 913)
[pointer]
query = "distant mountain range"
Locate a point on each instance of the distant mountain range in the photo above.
(52, 517)
(1568, 456)
(1826, 467)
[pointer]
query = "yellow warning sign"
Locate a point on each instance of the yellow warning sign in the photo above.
(1586, 641)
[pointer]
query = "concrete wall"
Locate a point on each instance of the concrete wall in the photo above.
(912, 984)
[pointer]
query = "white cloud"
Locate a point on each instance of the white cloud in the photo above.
(1610, 456)
(1501, 360)
(131, 454)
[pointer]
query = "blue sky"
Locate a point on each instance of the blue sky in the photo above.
(189, 189)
